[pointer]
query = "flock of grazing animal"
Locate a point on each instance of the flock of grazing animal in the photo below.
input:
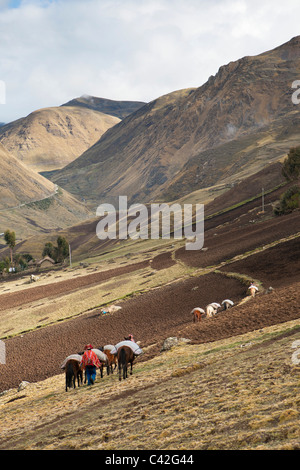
(110, 356)
(210, 310)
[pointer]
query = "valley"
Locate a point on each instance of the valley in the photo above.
(230, 381)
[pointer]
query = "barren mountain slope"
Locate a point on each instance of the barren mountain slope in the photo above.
(50, 138)
(30, 204)
(142, 155)
(18, 184)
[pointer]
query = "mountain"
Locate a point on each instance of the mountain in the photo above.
(237, 122)
(18, 183)
(50, 138)
(120, 161)
(30, 204)
(240, 204)
(119, 109)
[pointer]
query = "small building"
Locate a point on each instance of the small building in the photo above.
(45, 262)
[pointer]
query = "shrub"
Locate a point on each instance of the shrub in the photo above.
(59, 252)
(291, 165)
(289, 201)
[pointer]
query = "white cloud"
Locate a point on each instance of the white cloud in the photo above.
(53, 51)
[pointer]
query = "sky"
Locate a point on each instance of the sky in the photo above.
(52, 51)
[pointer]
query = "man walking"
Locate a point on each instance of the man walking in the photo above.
(90, 362)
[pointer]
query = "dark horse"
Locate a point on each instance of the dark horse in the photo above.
(125, 356)
(73, 372)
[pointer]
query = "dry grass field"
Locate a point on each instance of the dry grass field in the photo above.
(235, 394)
(234, 385)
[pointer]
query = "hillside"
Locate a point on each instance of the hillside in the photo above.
(232, 386)
(30, 204)
(227, 200)
(18, 183)
(50, 138)
(232, 126)
(51, 214)
(119, 109)
(233, 162)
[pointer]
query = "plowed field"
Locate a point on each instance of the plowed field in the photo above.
(165, 311)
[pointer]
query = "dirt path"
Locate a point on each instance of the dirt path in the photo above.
(165, 311)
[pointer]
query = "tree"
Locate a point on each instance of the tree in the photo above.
(4, 264)
(291, 165)
(289, 201)
(57, 253)
(62, 248)
(27, 256)
(10, 238)
(49, 250)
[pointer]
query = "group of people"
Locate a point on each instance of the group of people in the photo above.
(90, 361)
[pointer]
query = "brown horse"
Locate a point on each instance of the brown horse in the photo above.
(111, 360)
(73, 372)
(125, 356)
(197, 312)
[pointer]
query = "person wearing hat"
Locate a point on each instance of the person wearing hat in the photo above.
(130, 338)
(90, 362)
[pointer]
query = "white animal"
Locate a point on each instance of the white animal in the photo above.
(210, 310)
(34, 278)
(227, 304)
(253, 289)
(215, 305)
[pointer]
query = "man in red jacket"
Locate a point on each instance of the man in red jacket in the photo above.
(89, 362)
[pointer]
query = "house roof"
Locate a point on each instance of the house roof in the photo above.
(47, 258)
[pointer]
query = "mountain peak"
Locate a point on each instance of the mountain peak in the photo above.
(295, 41)
(119, 109)
(290, 50)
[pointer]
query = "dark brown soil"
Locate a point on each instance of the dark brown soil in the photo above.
(276, 267)
(225, 242)
(150, 317)
(165, 311)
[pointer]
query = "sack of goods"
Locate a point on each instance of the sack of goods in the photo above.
(101, 356)
(75, 357)
(135, 347)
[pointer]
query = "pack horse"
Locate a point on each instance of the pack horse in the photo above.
(125, 357)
